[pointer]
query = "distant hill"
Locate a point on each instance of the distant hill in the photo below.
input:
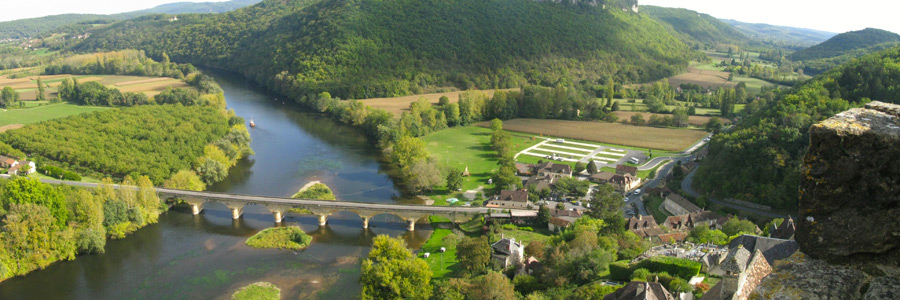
(36, 26)
(694, 27)
(844, 47)
(781, 35)
(377, 48)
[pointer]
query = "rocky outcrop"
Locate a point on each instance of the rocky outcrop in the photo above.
(849, 223)
(850, 192)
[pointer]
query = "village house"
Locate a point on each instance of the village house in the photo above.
(675, 204)
(552, 170)
(510, 199)
(686, 222)
(524, 169)
(623, 169)
(602, 177)
(562, 218)
(508, 252)
(7, 162)
(640, 290)
(17, 167)
(625, 182)
(741, 272)
(644, 226)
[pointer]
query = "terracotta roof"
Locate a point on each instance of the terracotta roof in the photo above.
(516, 196)
(623, 169)
(622, 179)
(639, 290)
(676, 236)
(539, 183)
(684, 203)
(565, 213)
(554, 168)
(644, 226)
(602, 176)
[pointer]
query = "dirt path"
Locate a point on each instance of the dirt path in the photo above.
(10, 127)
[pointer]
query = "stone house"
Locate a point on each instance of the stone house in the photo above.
(686, 222)
(741, 272)
(524, 169)
(602, 177)
(508, 252)
(552, 170)
(625, 182)
(21, 168)
(517, 199)
(562, 218)
(677, 205)
(623, 169)
(644, 226)
(639, 290)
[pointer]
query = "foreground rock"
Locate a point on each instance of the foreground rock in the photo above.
(850, 192)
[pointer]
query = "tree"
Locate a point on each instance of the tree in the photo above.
(680, 117)
(473, 254)
(572, 186)
(454, 179)
(615, 106)
(713, 125)
(592, 291)
(88, 213)
(40, 90)
(580, 167)
(735, 226)
(212, 171)
(543, 215)
(407, 150)
(536, 248)
(443, 101)
(425, 175)
(32, 239)
(23, 190)
(637, 119)
(491, 286)
(505, 178)
(185, 180)
(8, 97)
(592, 168)
(605, 202)
(148, 199)
(392, 272)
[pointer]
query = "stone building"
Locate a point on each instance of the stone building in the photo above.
(675, 204)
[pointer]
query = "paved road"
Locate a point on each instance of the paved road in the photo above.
(290, 201)
(687, 187)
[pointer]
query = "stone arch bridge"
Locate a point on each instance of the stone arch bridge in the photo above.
(321, 208)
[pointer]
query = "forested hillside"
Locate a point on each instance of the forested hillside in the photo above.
(367, 48)
(791, 37)
(759, 160)
(844, 47)
(37, 26)
(696, 28)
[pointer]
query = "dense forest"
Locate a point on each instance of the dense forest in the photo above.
(363, 48)
(759, 160)
(43, 223)
(78, 23)
(119, 142)
(700, 30)
(844, 47)
(781, 36)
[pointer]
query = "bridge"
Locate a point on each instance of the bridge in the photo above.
(321, 208)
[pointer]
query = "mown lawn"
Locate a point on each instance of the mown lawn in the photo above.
(469, 146)
(652, 204)
(433, 246)
(43, 113)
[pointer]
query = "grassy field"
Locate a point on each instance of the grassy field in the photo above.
(610, 133)
(652, 204)
(433, 245)
(42, 113)
(152, 86)
(539, 234)
(703, 77)
(698, 121)
(460, 147)
(396, 105)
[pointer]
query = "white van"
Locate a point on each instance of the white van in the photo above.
(635, 160)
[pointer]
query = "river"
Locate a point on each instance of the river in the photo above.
(204, 256)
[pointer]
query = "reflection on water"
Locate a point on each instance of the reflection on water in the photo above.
(204, 257)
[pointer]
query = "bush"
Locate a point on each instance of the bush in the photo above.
(291, 237)
(526, 229)
(620, 271)
(676, 266)
(258, 291)
(640, 275)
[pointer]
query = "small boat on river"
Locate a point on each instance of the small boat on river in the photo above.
(252, 124)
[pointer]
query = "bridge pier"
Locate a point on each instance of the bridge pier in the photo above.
(279, 216)
(236, 212)
(366, 222)
(412, 224)
(196, 209)
(323, 219)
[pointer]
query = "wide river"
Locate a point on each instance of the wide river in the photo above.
(204, 256)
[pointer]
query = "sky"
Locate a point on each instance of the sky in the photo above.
(826, 15)
(17, 9)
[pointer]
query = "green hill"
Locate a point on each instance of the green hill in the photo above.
(759, 160)
(694, 27)
(844, 47)
(37, 26)
(781, 35)
(368, 48)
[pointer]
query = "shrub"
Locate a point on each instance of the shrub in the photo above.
(291, 237)
(641, 275)
(620, 271)
(676, 266)
(526, 229)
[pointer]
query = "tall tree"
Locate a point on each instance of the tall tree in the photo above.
(40, 89)
(454, 179)
(23, 190)
(605, 202)
(473, 254)
(392, 272)
(8, 97)
(491, 286)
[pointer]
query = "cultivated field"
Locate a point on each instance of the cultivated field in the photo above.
(152, 86)
(692, 120)
(396, 105)
(42, 113)
(705, 78)
(610, 133)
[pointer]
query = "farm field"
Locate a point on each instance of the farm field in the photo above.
(699, 121)
(397, 105)
(152, 86)
(610, 133)
(43, 113)
(639, 106)
(702, 77)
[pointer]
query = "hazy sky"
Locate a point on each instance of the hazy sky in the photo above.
(16, 9)
(827, 15)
